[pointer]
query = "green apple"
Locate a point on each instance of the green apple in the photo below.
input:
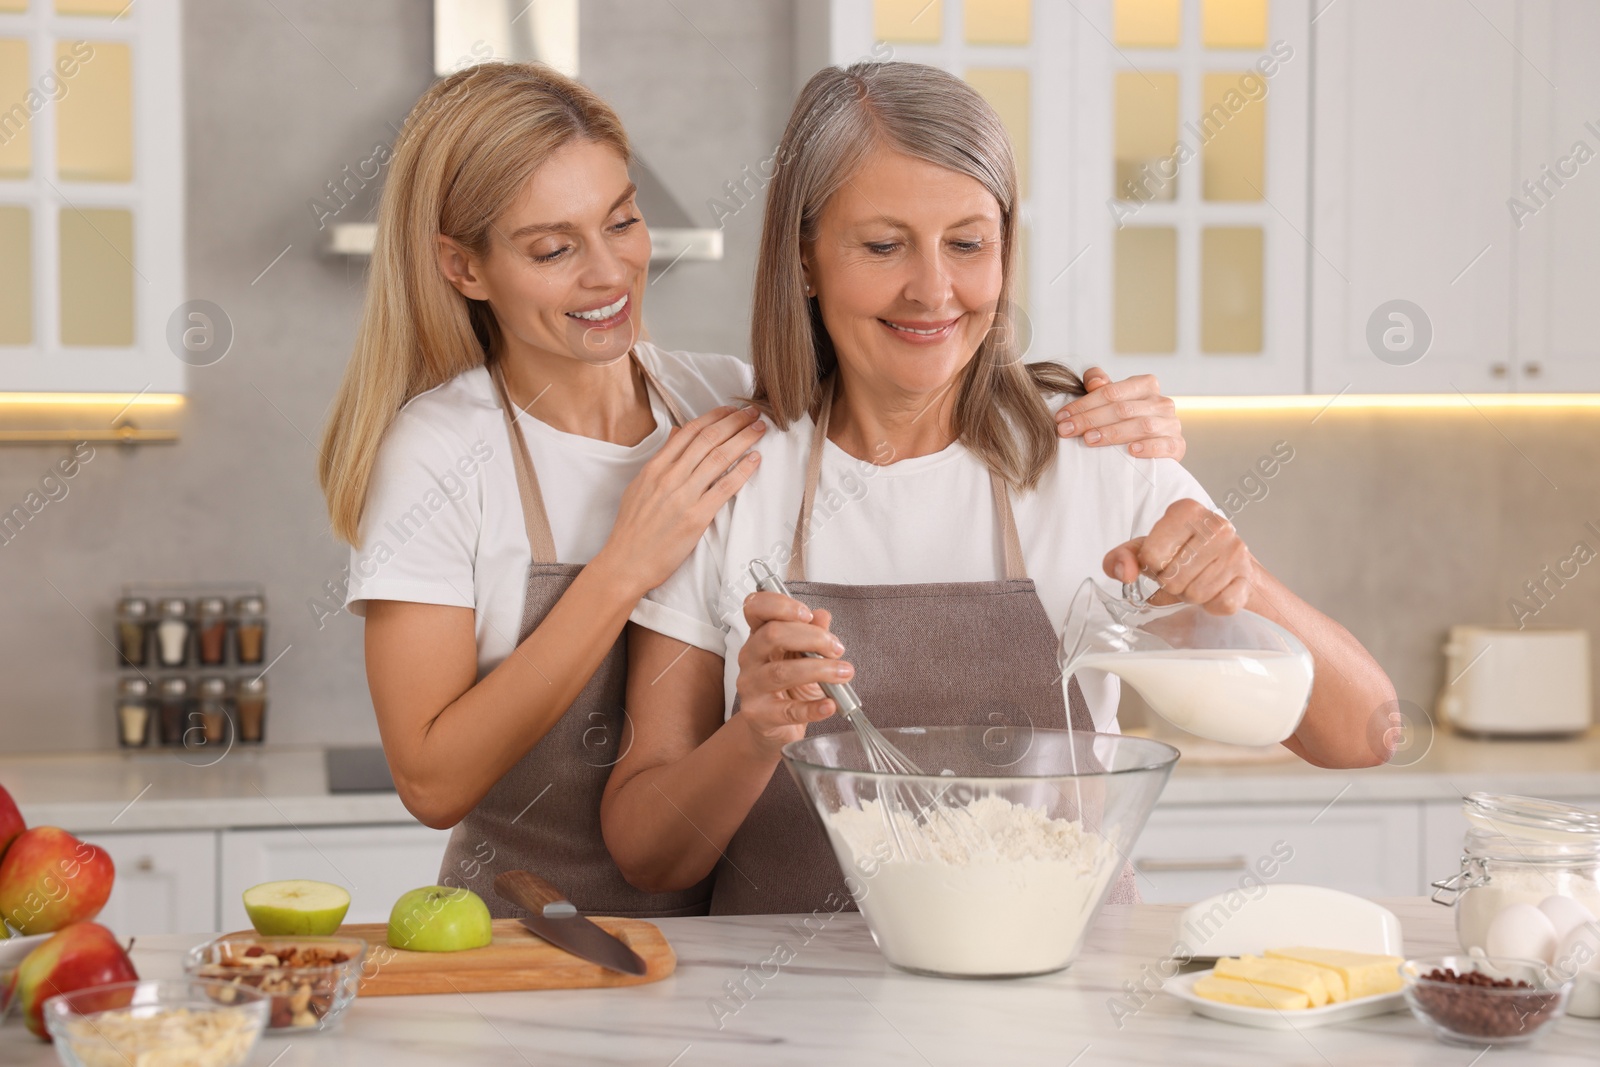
(437, 918)
(296, 908)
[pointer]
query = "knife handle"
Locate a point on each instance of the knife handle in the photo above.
(529, 890)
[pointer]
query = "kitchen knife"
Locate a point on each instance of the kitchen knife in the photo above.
(555, 918)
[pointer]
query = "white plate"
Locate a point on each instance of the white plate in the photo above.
(12, 949)
(1182, 987)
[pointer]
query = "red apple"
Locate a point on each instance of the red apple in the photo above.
(82, 955)
(11, 823)
(50, 880)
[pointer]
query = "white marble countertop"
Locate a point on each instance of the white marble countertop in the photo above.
(836, 1002)
(1453, 765)
(171, 789)
(153, 789)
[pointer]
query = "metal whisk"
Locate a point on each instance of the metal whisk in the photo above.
(920, 803)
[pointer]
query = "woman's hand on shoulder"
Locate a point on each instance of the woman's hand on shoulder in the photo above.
(673, 499)
(1131, 412)
(1195, 554)
(780, 688)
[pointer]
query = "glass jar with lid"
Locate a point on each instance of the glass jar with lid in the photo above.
(1520, 850)
(250, 628)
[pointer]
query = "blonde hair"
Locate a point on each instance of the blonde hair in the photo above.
(467, 149)
(842, 115)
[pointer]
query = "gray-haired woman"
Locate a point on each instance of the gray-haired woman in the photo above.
(917, 498)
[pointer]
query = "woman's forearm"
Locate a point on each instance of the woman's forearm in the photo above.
(1350, 690)
(668, 825)
(448, 747)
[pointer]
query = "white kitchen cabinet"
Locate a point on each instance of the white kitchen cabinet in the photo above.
(1191, 852)
(1414, 152)
(376, 863)
(1557, 198)
(166, 883)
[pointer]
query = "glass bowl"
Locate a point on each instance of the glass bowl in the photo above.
(307, 981)
(1479, 1015)
(1008, 882)
(191, 1021)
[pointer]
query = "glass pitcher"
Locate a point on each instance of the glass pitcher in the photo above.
(1239, 678)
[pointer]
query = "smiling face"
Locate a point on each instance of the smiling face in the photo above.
(567, 259)
(906, 268)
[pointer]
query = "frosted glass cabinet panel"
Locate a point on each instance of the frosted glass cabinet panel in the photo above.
(1147, 23)
(16, 276)
(94, 121)
(998, 21)
(907, 20)
(16, 136)
(97, 255)
(1146, 293)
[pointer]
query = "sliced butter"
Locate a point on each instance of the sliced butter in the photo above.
(1364, 975)
(1285, 974)
(1246, 994)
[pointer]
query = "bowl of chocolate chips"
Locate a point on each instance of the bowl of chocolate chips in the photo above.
(1484, 1000)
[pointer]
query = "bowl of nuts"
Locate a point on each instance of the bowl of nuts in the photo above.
(310, 980)
(1484, 1000)
(191, 1021)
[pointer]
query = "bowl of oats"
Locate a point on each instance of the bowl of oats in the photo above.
(194, 1022)
(309, 981)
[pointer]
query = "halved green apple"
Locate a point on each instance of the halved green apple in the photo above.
(297, 908)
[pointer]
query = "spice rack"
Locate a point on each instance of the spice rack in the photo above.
(192, 658)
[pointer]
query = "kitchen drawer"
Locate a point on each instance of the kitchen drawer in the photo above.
(1189, 853)
(376, 863)
(166, 883)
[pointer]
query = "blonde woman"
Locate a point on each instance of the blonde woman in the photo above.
(515, 466)
(929, 522)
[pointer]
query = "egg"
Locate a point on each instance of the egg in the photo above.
(1522, 931)
(1565, 914)
(1579, 957)
(1579, 952)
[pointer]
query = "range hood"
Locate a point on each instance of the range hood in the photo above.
(546, 31)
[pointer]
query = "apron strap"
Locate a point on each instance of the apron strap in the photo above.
(1015, 568)
(541, 541)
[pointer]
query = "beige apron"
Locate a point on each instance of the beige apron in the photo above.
(935, 654)
(543, 815)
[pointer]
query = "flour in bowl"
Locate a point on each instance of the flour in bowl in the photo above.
(1018, 907)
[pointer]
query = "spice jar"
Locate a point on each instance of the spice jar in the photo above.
(172, 633)
(174, 707)
(133, 631)
(250, 630)
(1520, 850)
(213, 712)
(133, 712)
(250, 701)
(211, 631)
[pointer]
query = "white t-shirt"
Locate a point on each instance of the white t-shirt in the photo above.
(443, 520)
(927, 519)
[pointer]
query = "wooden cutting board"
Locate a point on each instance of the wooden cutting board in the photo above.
(518, 959)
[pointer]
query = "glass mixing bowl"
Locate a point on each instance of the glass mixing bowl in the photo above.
(1007, 880)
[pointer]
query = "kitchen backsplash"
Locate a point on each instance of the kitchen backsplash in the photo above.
(1396, 523)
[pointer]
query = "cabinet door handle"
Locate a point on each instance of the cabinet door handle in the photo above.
(1218, 863)
(1532, 368)
(1498, 370)
(144, 863)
